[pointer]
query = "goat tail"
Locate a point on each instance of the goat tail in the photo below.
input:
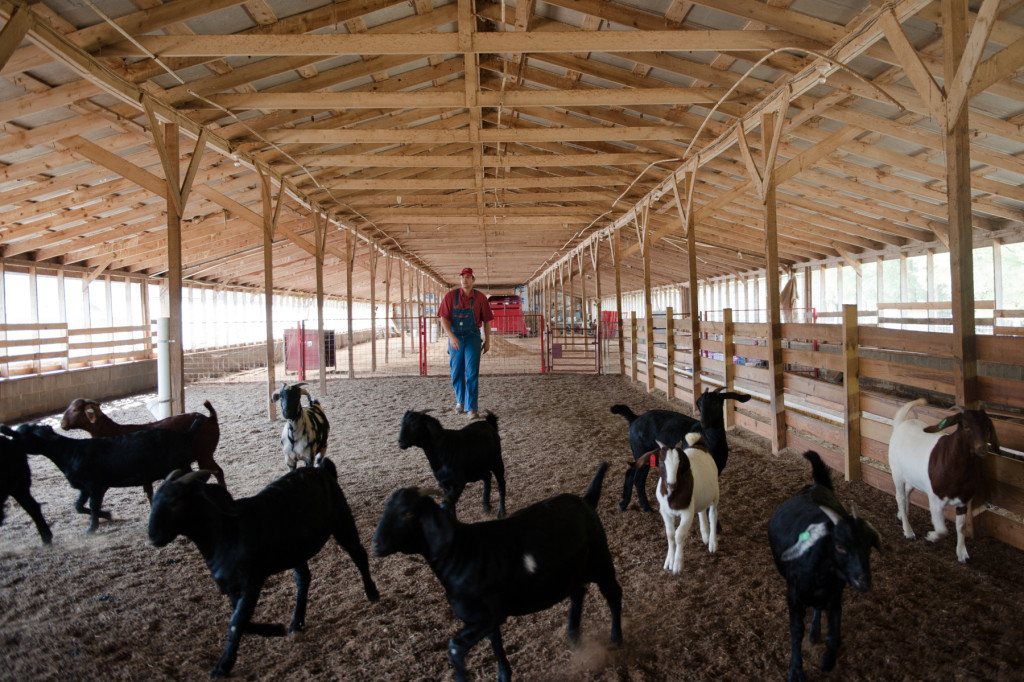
(492, 419)
(901, 414)
(820, 472)
(209, 408)
(593, 493)
(623, 410)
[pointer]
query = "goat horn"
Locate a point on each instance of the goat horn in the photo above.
(853, 509)
(173, 475)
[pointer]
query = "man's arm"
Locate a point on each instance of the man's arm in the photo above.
(453, 340)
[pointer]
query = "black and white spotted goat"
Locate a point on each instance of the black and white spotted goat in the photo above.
(304, 437)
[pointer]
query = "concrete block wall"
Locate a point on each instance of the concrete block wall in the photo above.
(29, 397)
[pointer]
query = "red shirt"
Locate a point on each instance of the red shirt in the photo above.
(481, 306)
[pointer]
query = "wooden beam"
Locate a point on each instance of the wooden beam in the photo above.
(334, 44)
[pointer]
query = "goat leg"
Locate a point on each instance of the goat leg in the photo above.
(935, 506)
(796, 638)
(347, 536)
(302, 578)
(464, 640)
(627, 489)
(640, 483)
(833, 638)
(575, 612)
(487, 493)
(244, 607)
(500, 477)
(814, 635)
(80, 507)
(961, 527)
(31, 507)
(96, 511)
(504, 667)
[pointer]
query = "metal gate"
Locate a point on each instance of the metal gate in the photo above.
(514, 349)
(574, 349)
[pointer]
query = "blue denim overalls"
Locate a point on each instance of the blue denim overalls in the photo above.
(464, 363)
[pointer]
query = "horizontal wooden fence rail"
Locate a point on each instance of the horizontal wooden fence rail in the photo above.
(849, 422)
(52, 346)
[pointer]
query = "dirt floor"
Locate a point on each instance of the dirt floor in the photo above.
(113, 607)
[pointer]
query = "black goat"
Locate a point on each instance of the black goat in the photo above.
(525, 563)
(818, 548)
(671, 427)
(94, 465)
(15, 481)
(248, 540)
(458, 457)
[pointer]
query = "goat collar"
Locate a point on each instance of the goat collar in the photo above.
(806, 540)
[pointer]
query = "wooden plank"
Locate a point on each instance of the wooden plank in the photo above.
(1001, 348)
(1001, 391)
(760, 428)
(819, 389)
(1000, 528)
(828, 333)
(928, 343)
(925, 378)
(815, 427)
(810, 358)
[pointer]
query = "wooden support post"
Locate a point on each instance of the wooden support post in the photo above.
(388, 262)
(632, 336)
(350, 259)
(957, 146)
(168, 148)
(730, 368)
(401, 304)
(617, 258)
(320, 236)
(645, 252)
(771, 243)
(670, 353)
(373, 309)
(851, 384)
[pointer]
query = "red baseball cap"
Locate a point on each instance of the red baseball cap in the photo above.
(466, 271)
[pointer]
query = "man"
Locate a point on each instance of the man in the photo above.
(462, 313)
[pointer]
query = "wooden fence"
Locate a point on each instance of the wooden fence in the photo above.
(46, 347)
(842, 385)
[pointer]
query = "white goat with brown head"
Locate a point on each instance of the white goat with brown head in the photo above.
(688, 488)
(946, 467)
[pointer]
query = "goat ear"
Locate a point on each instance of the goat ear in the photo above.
(951, 420)
(275, 397)
(648, 459)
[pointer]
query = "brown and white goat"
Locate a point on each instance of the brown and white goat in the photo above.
(688, 488)
(946, 467)
(86, 415)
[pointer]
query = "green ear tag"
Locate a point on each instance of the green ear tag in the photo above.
(804, 537)
(942, 424)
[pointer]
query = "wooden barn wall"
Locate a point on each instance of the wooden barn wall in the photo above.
(891, 368)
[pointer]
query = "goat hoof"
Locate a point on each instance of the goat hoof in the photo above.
(623, 505)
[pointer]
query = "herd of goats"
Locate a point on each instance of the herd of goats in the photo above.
(519, 564)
